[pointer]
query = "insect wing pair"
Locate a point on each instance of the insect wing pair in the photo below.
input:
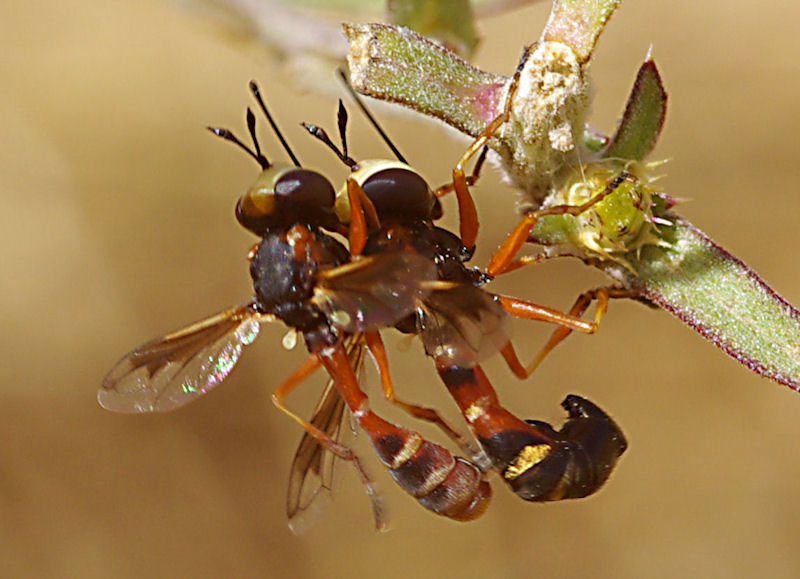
(171, 371)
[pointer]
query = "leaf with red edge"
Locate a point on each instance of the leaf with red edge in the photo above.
(398, 65)
(684, 272)
(644, 115)
(721, 298)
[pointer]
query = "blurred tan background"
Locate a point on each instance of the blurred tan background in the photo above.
(117, 226)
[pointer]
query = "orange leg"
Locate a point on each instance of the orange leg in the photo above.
(304, 371)
(468, 215)
(602, 295)
(445, 484)
(526, 260)
(533, 259)
(567, 322)
(470, 180)
(360, 208)
(378, 351)
(512, 360)
(503, 258)
(531, 311)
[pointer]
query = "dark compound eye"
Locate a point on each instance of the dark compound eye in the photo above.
(305, 187)
(282, 196)
(399, 194)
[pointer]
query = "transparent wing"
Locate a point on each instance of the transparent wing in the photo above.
(311, 474)
(463, 325)
(173, 370)
(374, 292)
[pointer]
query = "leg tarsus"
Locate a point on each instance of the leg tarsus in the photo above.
(601, 295)
(304, 371)
(508, 250)
(567, 322)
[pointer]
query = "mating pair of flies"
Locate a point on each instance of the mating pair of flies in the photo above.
(398, 270)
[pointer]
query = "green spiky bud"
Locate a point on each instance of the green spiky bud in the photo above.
(622, 222)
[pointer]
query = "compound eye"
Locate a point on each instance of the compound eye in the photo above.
(399, 193)
(305, 187)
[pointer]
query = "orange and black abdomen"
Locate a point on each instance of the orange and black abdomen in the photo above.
(447, 485)
(584, 453)
(536, 461)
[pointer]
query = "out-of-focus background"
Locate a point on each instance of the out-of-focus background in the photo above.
(117, 226)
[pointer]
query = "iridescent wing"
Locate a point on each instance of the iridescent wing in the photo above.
(374, 292)
(463, 325)
(311, 474)
(173, 370)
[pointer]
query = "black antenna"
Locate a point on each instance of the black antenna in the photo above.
(320, 134)
(341, 119)
(229, 136)
(369, 116)
(257, 93)
(251, 128)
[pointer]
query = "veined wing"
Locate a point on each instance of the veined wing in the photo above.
(173, 370)
(374, 292)
(463, 325)
(311, 474)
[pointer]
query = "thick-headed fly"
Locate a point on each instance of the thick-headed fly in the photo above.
(306, 278)
(460, 324)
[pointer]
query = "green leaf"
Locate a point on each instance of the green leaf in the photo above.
(721, 298)
(674, 266)
(398, 65)
(451, 22)
(578, 23)
(644, 115)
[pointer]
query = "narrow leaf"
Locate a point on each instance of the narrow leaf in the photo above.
(676, 267)
(398, 65)
(644, 115)
(721, 298)
(578, 23)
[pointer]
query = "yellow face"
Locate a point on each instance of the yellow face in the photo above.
(259, 200)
